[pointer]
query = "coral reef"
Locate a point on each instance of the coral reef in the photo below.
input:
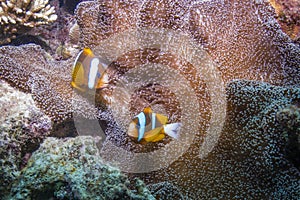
(22, 128)
(71, 168)
(289, 118)
(288, 17)
(165, 190)
(56, 34)
(237, 40)
(19, 16)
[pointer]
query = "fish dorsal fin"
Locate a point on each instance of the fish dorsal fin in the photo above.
(147, 110)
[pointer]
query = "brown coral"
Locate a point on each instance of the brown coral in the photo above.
(288, 17)
(19, 16)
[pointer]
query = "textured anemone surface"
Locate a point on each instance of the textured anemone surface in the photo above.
(71, 168)
(249, 160)
(147, 43)
(22, 128)
(32, 70)
(182, 58)
(243, 37)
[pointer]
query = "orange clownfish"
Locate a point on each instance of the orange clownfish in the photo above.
(89, 71)
(152, 127)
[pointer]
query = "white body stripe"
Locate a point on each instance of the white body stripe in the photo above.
(153, 121)
(93, 73)
(142, 121)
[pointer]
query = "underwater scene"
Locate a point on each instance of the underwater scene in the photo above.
(149, 99)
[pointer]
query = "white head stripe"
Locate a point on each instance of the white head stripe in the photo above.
(93, 73)
(142, 121)
(77, 57)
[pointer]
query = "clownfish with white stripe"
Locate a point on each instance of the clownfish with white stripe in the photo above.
(88, 72)
(152, 127)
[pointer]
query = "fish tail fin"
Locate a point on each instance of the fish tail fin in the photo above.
(173, 130)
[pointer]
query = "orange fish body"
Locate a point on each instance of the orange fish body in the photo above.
(88, 71)
(152, 127)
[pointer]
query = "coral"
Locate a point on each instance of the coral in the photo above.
(273, 58)
(288, 17)
(236, 39)
(55, 34)
(19, 16)
(246, 42)
(22, 128)
(165, 190)
(71, 168)
(289, 118)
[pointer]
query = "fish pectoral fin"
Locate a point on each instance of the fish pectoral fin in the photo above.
(162, 119)
(173, 130)
(151, 135)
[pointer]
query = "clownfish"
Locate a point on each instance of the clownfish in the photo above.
(152, 127)
(89, 71)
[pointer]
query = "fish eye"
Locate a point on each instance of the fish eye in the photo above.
(98, 75)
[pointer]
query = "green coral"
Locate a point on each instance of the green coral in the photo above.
(22, 127)
(289, 118)
(73, 169)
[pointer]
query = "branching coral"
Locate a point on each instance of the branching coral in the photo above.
(17, 16)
